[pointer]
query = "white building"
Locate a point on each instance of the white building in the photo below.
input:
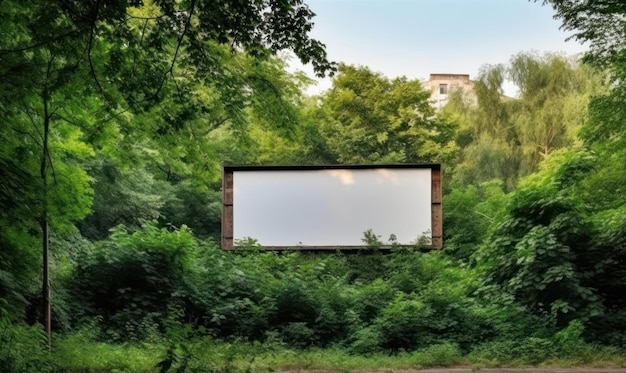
(441, 85)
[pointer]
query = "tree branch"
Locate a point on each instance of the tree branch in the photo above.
(37, 45)
(179, 43)
(92, 69)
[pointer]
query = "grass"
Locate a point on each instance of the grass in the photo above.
(101, 357)
(205, 355)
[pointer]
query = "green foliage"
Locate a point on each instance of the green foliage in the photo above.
(18, 268)
(507, 138)
(120, 113)
(469, 213)
(607, 209)
(422, 307)
(542, 253)
(22, 348)
(122, 198)
(604, 127)
(200, 211)
(441, 355)
(601, 25)
(526, 351)
(142, 85)
(371, 239)
(367, 118)
(79, 352)
(132, 281)
(554, 92)
(422, 301)
(371, 298)
(564, 348)
(452, 314)
(490, 150)
(401, 324)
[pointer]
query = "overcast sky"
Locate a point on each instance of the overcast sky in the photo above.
(418, 37)
(331, 207)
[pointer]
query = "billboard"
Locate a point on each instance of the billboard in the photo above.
(331, 207)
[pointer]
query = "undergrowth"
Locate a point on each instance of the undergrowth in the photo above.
(207, 355)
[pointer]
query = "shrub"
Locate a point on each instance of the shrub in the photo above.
(334, 304)
(371, 298)
(22, 348)
(366, 341)
(401, 324)
(133, 280)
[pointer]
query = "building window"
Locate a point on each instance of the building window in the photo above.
(443, 89)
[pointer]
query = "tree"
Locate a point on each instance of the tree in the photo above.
(122, 198)
(303, 143)
(602, 25)
(65, 63)
(507, 138)
(367, 117)
(490, 141)
(599, 23)
(41, 106)
(554, 95)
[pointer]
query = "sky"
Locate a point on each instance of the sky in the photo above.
(331, 207)
(415, 38)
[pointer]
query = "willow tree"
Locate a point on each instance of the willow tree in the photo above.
(490, 141)
(554, 95)
(507, 138)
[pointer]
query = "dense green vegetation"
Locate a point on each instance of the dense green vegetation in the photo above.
(116, 118)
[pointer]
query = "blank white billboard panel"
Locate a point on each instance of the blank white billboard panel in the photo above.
(324, 208)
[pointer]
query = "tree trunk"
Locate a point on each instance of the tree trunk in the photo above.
(44, 222)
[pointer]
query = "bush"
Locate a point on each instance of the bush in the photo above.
(133, 280)
(334, 304)
(22, 348)
(366, 341)
(371, 299)
(402, 324)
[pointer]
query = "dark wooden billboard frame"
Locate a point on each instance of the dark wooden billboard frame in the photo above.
(228, 198)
